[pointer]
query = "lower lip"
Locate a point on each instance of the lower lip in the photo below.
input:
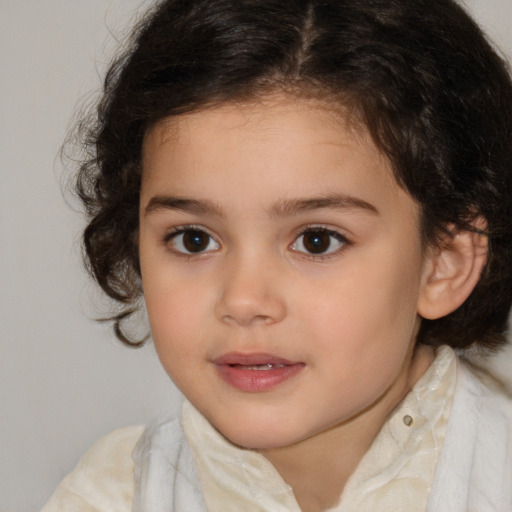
(257, 380)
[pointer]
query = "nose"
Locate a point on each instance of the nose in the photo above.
(251, 293)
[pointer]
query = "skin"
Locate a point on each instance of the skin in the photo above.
(251, 176)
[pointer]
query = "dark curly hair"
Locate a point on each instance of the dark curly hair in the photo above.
(419, 74)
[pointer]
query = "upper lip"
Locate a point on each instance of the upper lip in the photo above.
(239, 358)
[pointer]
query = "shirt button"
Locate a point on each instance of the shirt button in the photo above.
(408, 421)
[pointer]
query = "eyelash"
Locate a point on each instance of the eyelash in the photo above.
(182, 230)
(312, 229)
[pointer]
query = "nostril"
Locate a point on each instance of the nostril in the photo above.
(248, 296)
(251, 313)
(246, 318)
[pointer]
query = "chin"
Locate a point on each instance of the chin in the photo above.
(258, 442)
(259, 437)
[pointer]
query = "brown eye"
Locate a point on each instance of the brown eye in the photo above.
(193, 241)
(319, 241)
(316, 243)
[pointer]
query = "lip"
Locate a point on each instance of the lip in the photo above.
(239, 370)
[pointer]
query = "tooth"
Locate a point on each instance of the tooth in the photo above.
(259, 367)
(263, 367)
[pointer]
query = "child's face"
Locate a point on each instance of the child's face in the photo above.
(281, 267)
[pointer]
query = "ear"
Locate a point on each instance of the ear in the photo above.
(452, 271)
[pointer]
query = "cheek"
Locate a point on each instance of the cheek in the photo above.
(176, 313)
(371, 303)
(172, 310)
(175, 329)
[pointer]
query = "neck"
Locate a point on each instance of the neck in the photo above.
(318, 467)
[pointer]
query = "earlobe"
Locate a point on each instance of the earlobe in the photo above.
(452, 271)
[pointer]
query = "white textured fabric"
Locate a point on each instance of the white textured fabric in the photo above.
(103, 478)
(398, 470)
(473, 474)
(165, 474)
(233, 479)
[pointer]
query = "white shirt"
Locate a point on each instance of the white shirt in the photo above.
(407, 468)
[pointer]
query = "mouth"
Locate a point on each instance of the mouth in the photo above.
(256, 372)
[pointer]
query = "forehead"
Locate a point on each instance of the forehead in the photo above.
(278, 148)
(278, 119)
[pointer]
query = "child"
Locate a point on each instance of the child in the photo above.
(313, 199)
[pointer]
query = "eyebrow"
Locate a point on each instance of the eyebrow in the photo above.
(292, 207)
(203, 206)
(283, 208)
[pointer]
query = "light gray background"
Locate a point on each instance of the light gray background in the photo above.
(64, 380)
